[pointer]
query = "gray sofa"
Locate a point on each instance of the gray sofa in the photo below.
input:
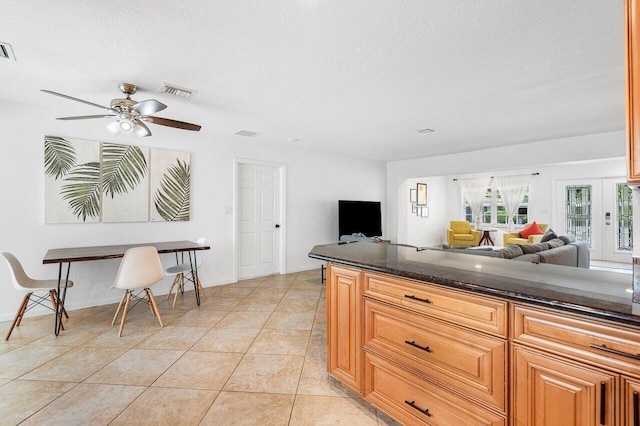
(564, 250)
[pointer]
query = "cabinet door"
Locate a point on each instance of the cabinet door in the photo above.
(632, 10)
(549, 391)
(344, 331)
(631, 402)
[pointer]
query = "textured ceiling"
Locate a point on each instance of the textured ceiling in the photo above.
(354, 76)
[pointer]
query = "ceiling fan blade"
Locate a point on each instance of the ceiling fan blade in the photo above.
(141, 129)
(150, 106)
(85, 117)
(75, 99)
(171, 123)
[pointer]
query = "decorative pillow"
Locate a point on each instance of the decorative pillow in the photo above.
(567, 238)
(549, 235)
(532, 229)
(533, 248)
(511, 251)
(556, 242)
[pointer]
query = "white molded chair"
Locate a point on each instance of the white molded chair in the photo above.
(140, 268)
(179, 271)
(22, 282)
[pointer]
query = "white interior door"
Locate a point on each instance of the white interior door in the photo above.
(590, 210)
(258, 216)
(618, 217)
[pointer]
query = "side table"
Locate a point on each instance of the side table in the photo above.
(486, 236)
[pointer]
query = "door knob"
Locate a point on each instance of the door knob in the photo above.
(277, 226)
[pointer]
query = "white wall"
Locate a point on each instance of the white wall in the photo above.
(599, 155)
(315, 181)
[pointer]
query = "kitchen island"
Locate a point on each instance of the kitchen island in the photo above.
(433, 337)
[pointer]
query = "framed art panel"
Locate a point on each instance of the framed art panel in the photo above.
(170, 185)
(413, 195)
(125, 177)
(422, 194)
(72, 191)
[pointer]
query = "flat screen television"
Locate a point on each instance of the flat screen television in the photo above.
(359, 217)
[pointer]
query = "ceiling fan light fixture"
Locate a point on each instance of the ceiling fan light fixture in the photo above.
(141, 131)
(125, 125)
(113, 127)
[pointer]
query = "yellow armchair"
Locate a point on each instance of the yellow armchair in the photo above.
(509, 238)
(461, 234)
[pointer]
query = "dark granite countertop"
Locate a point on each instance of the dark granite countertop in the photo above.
(601, 294)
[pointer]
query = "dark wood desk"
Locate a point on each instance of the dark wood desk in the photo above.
(83, 254)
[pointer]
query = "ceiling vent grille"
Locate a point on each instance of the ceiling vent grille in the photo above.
(6, 51)
(176, 91)
(425, 131)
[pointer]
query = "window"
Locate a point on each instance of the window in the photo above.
(493, 212)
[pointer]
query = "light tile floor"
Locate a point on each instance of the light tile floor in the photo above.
(253, 354)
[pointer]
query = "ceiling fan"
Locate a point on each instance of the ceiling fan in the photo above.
(129, 116)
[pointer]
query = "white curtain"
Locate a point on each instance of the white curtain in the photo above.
(512, 190)
(474, 192)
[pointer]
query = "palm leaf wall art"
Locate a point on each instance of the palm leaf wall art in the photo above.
(123, 168)
(59, 156)
(125, 183)
(173, 197)
(88, 181)
(82, 190)
(70, 163)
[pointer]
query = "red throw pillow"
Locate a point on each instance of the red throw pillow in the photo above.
(532, 229)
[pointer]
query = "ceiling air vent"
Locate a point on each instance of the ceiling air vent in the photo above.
(425, 131)
(176, 91)
(6, 51)
(246, 133)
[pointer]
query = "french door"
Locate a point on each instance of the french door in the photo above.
(598, 211)
(258, 220)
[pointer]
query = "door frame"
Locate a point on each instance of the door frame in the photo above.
(601, 190)
(282, 237)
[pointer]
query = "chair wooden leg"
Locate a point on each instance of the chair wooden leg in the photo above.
(54, 302)
(175, 298)
(175, 280)
(153, 312)
(155, 307)
(23, 308)
(124, 314)
(19, 314)
(64, 311)
(115, 317)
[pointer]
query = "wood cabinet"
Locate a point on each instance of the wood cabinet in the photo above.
(344, 325)
(632, 15)
(630, 402)
(427, 354)
(551, 391)
(577, 358)
(434, 355)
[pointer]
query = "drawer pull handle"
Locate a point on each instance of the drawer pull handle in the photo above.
(603, 395)
(411, 296)
(636, 410)
(413, 405)
(413, 343)
(614, 351)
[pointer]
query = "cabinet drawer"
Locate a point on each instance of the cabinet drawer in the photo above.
(469, 310)
(416, 402)
(579, 338)
(465, 362)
